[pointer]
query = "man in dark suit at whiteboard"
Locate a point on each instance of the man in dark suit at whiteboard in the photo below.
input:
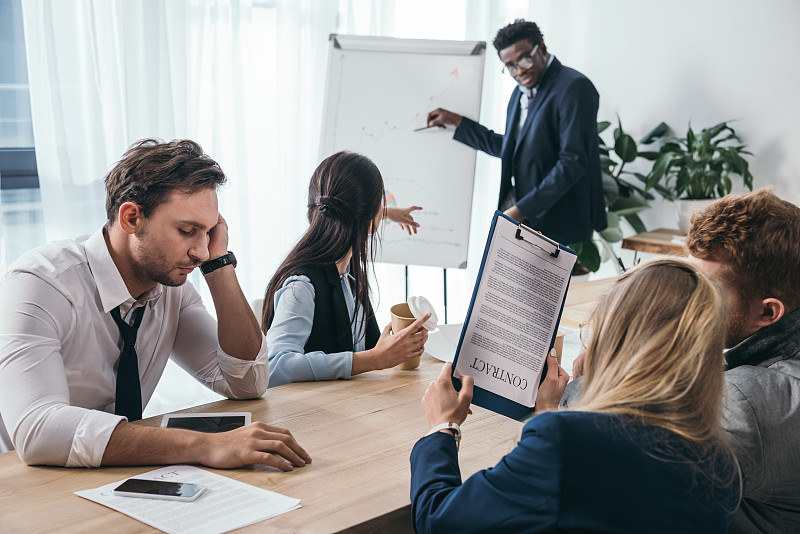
(550, 176)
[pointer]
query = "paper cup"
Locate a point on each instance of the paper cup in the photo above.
(559, 344)
(402, 318)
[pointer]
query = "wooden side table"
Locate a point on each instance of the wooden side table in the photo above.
(659, 241)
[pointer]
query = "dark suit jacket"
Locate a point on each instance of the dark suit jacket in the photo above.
(576, 472)
(331, 330)
(555, 160)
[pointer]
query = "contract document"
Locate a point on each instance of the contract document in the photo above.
(513, 317)
(226, 505)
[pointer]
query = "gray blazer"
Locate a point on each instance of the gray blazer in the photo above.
(761, 417)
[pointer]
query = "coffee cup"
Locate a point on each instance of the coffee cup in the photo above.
(403, 318)
(559, 344)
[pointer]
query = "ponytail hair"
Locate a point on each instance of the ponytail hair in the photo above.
(345, 196)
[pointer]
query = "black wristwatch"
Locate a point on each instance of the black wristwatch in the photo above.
(212, 265)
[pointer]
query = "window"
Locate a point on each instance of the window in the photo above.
(17, 155)
(21, 218)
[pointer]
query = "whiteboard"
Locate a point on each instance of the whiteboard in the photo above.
(378, 91)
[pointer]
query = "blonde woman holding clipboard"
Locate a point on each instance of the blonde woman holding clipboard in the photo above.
(643, 452)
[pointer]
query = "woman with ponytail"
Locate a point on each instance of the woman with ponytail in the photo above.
(317, 314)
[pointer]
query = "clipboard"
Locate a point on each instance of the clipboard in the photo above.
(484, 397)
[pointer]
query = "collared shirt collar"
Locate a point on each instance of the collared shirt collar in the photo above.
(347, 275)
(110, 286)
(778, 341)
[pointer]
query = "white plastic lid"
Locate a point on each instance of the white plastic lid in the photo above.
(419, 306)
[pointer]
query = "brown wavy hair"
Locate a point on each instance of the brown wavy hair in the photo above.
(344, 198)
(756, 235)
(151, 169)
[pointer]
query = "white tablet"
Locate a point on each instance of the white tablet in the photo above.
(207, 422)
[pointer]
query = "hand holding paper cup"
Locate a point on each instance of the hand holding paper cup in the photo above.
(404, 314)
(559, 344)
(401, 317)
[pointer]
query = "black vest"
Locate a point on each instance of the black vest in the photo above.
(331, 330)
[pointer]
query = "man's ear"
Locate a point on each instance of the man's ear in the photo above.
(770, 310)
(130, 217)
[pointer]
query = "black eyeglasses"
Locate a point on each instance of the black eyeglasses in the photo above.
(524, 62)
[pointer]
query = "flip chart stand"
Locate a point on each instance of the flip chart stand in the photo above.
(406, 283)
(445, 294)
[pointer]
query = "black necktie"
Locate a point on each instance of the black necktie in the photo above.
(129, 391)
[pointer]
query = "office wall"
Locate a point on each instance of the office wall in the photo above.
(702, 61)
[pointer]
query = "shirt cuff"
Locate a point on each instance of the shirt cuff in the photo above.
(91, 438)
(237, 368)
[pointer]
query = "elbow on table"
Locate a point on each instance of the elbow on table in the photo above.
(37, 452)
(255, 392)
(46, 435)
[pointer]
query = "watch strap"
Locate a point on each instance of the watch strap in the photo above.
(453, 427)
(217, 263)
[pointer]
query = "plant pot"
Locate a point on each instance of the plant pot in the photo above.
(684, 210)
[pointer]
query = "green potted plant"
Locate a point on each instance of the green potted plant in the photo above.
(697, 169)
(624, 196)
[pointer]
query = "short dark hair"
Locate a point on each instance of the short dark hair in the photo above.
(151, 169)
(757, 235)
(518, 30)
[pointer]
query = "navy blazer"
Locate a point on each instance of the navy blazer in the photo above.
(576, 472)
(555, 159)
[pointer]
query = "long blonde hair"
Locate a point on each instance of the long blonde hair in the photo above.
(656, 350)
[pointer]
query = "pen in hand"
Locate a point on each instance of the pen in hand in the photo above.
(424, 128)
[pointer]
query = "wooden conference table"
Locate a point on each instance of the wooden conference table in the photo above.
(359, 433)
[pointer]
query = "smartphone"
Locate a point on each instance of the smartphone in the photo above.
(159, 489)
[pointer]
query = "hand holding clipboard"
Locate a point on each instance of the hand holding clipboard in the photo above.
(513, 316)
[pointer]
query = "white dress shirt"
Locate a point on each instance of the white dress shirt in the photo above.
(527, 95)
(60, 347)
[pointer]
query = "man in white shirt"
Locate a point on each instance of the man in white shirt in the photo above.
(66, 392)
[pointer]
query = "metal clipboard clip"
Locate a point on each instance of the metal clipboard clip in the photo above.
(541, 236)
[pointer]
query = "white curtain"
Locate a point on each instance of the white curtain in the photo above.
(245, 79)
(242, 78)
